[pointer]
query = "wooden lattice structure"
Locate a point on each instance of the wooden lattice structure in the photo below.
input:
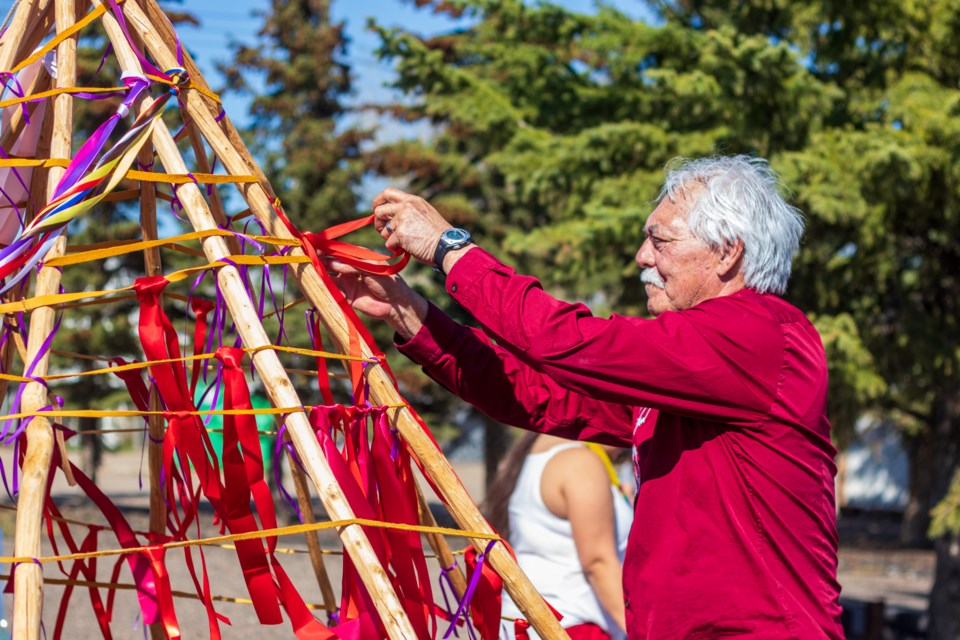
(145, 32)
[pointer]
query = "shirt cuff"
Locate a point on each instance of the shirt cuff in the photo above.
(432, 341)
(467, 272)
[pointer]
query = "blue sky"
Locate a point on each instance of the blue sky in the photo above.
(220, 25)
(236, 21)
(223, 22)
(210, 44)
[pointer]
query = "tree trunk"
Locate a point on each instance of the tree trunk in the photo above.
(92, 446)
(496, 441)
(916, 517)
(945, 596)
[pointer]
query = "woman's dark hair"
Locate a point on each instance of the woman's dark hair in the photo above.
(496, 506)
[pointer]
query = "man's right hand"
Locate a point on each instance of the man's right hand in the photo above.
(386, 298)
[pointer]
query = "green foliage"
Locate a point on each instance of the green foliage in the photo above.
(853, 373)
(946, 515)
(297, 82)
(553, 128)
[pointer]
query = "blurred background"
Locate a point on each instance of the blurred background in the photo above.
(544, 128)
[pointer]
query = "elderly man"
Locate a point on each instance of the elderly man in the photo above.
(722, 395)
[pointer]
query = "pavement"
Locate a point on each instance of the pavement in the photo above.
(900, 579)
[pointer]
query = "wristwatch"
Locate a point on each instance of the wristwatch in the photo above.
(449, 240)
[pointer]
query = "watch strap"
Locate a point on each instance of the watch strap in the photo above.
(444, 246)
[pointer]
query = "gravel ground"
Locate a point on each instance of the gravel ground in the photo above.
(868, 572)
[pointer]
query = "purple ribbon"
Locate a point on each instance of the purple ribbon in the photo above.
(464, 607)
(20, 425)
(278, 448)
(18, 91)
(445, 584)
(84, 157)
(147, 66)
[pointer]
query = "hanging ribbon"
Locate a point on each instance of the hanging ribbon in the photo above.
(376, 478)
(153, 585)
(325, 243)
(79, 191)
(243, 474)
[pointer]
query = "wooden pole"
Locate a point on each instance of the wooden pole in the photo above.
(237, 161)
(313, 539)
(12, 39)
(151, 14)
(438, 543)
(271, 371)
(28, 579)
(41, 82)
(156, 427)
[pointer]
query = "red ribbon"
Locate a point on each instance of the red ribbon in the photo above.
(243, 470)
(376, 479)
(356, 327)
(153, 585)
(315, 244)
(243, 476)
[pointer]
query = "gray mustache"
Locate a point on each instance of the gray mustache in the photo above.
(650, 276)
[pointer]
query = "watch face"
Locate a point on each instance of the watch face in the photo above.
(455, 235)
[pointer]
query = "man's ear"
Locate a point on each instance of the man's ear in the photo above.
(730, 256)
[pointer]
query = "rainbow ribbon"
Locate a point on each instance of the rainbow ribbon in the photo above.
(79, 191)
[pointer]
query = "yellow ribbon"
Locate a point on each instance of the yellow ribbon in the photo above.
(60, 37)
(122, 586)
(133, 413)
(134, 174)
(55, 300)
(56, 92)
(111, 249)
(607, 463)
(134, 366)
(254, 535)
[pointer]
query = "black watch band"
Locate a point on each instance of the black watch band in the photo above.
(450, 240)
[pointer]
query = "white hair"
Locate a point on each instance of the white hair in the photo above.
(740, 198)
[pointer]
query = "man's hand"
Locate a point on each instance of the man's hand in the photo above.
(385, 298)
(408, 222)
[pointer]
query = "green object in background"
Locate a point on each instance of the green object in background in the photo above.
(265, 425)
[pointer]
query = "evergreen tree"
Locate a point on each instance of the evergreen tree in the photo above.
(299, 85)
(553, 129)
(298, 82)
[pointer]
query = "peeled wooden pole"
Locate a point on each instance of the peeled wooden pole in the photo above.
(12, 39)
(41, 82)
(313, 539)
(40, 179)
(237, 161)
(156, 427)
(28, 579)
(438, 543)
(271, 371)
(153, 15)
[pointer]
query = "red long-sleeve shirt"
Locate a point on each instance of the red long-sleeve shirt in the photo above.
(724, 405)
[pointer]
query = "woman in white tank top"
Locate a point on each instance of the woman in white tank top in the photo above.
(557, 503)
